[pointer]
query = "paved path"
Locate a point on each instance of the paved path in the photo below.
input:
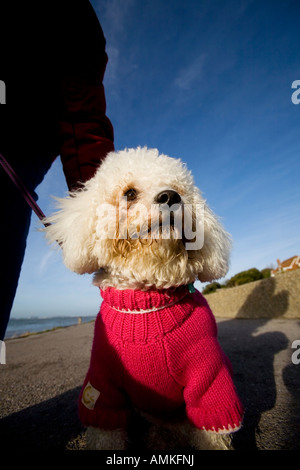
(40, 383)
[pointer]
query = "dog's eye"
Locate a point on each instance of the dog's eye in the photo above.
(130, 194)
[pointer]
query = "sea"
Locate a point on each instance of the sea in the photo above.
(22, 326)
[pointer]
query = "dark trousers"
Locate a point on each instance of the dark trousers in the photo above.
(14, 227)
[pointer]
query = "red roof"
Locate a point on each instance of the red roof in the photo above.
(287, 265)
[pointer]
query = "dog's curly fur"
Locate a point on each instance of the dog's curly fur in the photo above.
(79, 226)
(96, 239)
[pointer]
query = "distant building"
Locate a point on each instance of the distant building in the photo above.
(287, 265)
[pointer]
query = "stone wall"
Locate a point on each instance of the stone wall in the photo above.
(275, 297)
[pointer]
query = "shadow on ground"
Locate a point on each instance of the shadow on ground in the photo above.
(51, 424)
(252, 350)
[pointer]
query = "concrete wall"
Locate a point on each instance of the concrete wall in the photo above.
(275, 297)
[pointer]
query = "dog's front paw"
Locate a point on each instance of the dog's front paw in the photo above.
(101, 439)
(204, 440)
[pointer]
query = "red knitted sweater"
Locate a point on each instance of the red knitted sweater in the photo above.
(158, 351)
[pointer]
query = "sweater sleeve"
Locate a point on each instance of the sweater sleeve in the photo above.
(201, 367)
(102, 401)
(210, 396)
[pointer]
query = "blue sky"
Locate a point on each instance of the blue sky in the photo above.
(209, 82)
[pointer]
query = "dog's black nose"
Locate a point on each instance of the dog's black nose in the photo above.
(169, 197)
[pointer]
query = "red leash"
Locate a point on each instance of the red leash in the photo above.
(22, 188)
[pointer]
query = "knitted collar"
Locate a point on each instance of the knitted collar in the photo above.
(136, 301)
(138, 316)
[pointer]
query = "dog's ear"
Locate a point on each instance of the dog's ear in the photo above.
(73, 227)
(215, 252)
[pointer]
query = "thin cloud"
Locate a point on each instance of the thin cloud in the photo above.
(113, 16)
(187, 76)
(43, 266)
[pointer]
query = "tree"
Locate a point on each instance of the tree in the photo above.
(266, 272)
(210, 288)
(244, 277)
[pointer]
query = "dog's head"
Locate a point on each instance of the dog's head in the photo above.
(140, 222)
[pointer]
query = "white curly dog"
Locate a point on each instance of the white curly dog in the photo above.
(142, 226)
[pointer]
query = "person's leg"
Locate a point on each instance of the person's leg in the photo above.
(15, 216)
(15, 222)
